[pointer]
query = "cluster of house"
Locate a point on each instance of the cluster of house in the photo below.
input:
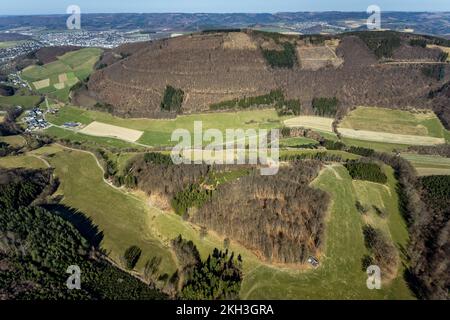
(35, 119)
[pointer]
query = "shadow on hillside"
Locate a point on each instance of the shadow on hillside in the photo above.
(80, 221)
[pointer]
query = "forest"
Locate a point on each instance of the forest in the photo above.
(172, 100)
(286, 58)
(325, 107)
(430, 243)
(262, 206)
(218, 277)
(37, 246)
(425, 205)
(362, 170)
(281, 217)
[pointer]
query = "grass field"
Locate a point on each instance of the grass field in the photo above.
(377, 146)
(123, 219)
(423, 123)
(429, 164)
(14, 141)
(26, 101)
(158, 132)
(57, 77)
(26, 161)
(296, 142)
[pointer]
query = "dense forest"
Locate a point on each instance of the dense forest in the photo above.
(325, 107)
(286, 58)
(37, 247)
(382, 44)
(274, 98)
(280, 216)
(424, 203)
(219, 277)
(172, 100)
(363, 170)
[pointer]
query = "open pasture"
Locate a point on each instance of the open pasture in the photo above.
(412, 122)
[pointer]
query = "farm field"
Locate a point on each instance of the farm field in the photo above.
(320, 124)
(386, 137)
(428, 164)
(411, 123)
(106, 130)
(56, 78)
(158, 132)
(88, 140)
(377, 146)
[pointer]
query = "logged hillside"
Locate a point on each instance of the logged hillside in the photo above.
(387, 70)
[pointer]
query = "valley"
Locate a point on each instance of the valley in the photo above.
(362, 123)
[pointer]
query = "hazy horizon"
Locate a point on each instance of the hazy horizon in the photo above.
(52, 7)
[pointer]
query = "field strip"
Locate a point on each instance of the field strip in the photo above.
(107, 130)
(311, 122)
(432, 171)
(41, 84)
(390, 137)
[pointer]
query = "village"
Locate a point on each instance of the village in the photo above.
(35, 119)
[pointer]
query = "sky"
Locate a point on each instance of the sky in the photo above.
(13, 7)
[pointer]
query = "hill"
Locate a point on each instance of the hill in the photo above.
(384, 69)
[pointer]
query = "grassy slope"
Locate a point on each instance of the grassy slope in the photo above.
(18, 100)
(26, 161)
(340, 276)
(15, 141)
(393, 121)
(127, 220)
(158, 132)
(122, 218)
